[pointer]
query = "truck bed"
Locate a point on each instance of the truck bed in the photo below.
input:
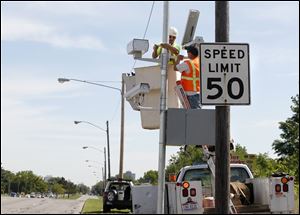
(244, 209)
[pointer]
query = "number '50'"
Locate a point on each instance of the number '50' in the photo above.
(213, 83)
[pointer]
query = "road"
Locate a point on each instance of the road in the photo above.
(15, 205)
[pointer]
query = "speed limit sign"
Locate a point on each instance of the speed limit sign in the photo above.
(224, 74)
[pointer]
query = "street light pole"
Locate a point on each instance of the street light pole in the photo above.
(62, 80)
(122, 130)
(107, 136)
(85, 147)
(108, 150)
(105, 165)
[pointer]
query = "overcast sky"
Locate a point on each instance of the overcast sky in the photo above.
(42, 41)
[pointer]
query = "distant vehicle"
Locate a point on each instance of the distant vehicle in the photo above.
(27, 195)
(51, 195)
(38, 195)
(13, 194)
(117, 194)
(32, 195)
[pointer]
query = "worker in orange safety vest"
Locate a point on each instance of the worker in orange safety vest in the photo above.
(190, 76)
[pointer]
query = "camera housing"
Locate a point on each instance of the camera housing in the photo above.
(138, 89)
(137, 47)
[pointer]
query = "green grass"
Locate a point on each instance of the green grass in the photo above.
(71, 196)
(92, 206)
(120, 211)
(296, 211)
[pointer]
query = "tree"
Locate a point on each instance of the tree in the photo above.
(83, 188)
(70, 188)
(287, 148)
(150, 176)
(58, 189)
(190, 156)
(98, 188)
(6, 180)
(240, 151)
(263, 166)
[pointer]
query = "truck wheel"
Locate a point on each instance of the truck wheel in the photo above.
(106, 209)
(111, 195)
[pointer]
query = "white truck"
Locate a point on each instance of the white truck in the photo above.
(193, 192)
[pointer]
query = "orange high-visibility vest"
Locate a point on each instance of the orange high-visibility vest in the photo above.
(191, 81)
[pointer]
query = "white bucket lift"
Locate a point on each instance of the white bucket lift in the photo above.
(149, 103)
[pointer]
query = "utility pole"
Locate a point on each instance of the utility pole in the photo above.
(163, 107)
(122, 129)
(105, 165)
(108, 150)
(222, 121)
(103, 181)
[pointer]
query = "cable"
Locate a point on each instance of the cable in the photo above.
(149, 19)
(150, 15)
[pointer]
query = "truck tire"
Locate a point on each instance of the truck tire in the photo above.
(111, 195)
(106, 209)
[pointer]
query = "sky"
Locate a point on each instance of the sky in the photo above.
(43, 41)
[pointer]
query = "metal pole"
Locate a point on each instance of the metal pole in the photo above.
(108, 150)
(222, 121)
(122, 129)
(103, 181)
(105, 165)
(163, 107)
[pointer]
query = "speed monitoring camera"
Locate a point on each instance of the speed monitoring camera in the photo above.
(137, 47)
(138, 89)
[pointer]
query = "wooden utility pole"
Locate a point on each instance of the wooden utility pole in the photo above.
(222, 121)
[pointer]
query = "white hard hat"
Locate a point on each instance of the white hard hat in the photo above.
(173, 31)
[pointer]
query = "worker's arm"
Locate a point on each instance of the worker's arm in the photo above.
(178, 59)
(154, 53)
(172, 49)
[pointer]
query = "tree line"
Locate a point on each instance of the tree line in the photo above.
(28, 182)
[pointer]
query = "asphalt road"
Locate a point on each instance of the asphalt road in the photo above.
(15, 205)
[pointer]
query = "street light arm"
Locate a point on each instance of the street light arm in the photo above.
(92, 147)
(76, 122)
(62, 80)
(93, 161)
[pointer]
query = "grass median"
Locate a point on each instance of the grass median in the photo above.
(92, 206)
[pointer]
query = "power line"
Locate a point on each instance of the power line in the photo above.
(149, 19)
(150, 15)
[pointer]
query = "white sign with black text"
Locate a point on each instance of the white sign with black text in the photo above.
(224, 74)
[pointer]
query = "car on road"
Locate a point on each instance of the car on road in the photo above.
(32, 195)
(13, 194)
(117, 194)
